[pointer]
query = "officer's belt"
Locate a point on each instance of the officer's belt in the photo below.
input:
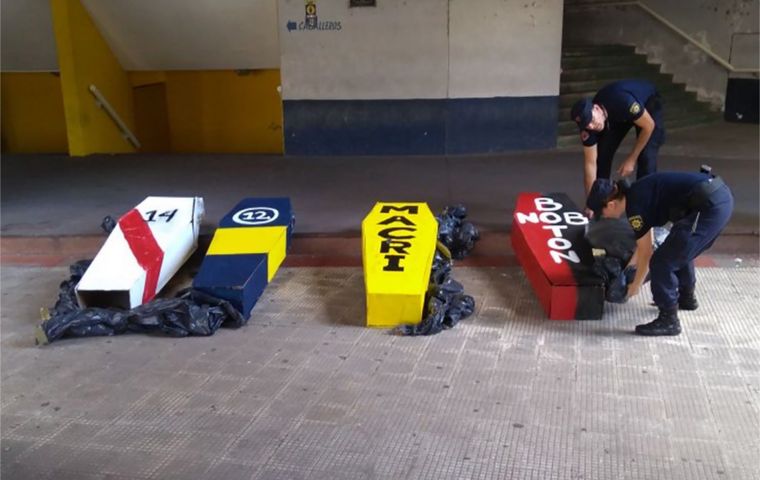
(700, 195)
(698, 199)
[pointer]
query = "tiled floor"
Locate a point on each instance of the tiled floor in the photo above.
(304, 391)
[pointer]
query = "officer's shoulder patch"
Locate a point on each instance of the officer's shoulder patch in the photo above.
(637, 223)
(635, 108)
(584, 135)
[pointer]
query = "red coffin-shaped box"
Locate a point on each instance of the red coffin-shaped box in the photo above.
(548, 237)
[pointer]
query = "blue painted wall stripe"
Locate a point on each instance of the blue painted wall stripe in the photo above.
(492, 125)
(372, 127)
(419, 127)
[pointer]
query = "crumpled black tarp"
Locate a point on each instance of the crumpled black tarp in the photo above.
(616, 277)
(108, 224)
(191, 312)
(616, 238)
(458, 235)
(446, 301)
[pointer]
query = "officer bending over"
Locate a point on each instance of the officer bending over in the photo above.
(698, 204)
(606, 119)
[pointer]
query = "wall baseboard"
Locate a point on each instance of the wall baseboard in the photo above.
(419, 126)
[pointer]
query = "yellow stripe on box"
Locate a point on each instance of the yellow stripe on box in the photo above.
(271, 241)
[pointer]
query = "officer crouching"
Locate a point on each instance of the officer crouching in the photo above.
(698, 204)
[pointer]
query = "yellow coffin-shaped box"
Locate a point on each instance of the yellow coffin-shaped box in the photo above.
(398, 243)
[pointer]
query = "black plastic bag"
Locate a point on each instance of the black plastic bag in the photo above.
(446, 301)
(191, 312)
(616, 277)
(108, 224)
(67, 300)
(458, 235)
(618, 242)
(87, 322)
(615, 236)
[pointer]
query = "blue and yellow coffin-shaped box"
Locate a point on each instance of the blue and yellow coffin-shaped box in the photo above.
(398, 244)
(246, 251)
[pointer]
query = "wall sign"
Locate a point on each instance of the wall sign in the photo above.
(311, 20)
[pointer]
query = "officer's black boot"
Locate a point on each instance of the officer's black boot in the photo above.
(687, 300)
(666, 323)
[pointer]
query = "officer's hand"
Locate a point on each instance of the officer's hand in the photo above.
(633, 290)
(627, 167)
(589, 213)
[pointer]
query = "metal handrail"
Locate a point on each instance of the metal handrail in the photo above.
(674, 28)
(101, 101)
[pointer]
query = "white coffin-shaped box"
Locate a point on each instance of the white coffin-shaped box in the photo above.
(147, 247)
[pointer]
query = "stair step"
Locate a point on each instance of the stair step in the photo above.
(671, 108)
(585, 50)
(688, 121)
(602, 61)
(615, 72)
(587, 68)
(660, 80)
(570, 128)
(669, 93)
(570, 137)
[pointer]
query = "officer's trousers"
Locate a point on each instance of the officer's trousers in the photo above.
(609, 142)
(672, 265)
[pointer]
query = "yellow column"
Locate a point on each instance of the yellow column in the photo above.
(85, 59)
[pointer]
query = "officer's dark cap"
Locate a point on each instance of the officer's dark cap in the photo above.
(600, 193)
(581, 112)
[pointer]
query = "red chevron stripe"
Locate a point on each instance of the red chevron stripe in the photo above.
(144, 247)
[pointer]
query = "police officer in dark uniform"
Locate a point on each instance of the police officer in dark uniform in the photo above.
(606, 119)
(698, 204)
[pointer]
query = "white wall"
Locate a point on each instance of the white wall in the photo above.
(152, 34)
(423, 49)
(189, 35)
(505, 48)
(397, 50)
(401, 49)
(28, 40)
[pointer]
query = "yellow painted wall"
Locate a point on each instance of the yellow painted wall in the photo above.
(32, 113)
(84, 58)
(223, 111)
(151, 118)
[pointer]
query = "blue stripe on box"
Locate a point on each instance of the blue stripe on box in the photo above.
(239, 279)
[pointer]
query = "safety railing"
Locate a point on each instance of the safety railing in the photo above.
(101, 101)
(667, 23)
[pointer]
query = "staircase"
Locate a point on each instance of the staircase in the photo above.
(585, 69)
